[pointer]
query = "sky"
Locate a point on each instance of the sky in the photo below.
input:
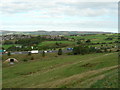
(59, 15)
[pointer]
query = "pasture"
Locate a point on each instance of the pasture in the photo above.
(51, 43)
(66, 71)
(97, 37)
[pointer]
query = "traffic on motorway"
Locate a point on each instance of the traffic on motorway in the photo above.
(36, 51)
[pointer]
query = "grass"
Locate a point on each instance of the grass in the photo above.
(50, 43)
(97, 70)
(109, 80)
(61, 71)
(8, 46)
(96, 38)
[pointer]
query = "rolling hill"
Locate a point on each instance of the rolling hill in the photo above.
(42, 32)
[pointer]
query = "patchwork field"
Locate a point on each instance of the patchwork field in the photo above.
(97, 37)
(72, 40)
(66, 71)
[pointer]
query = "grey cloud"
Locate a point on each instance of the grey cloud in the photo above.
(58, 7)
(99, 5)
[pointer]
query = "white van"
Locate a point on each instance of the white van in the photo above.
(34, 51)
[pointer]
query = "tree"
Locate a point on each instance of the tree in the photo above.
(25, 60)
(109, 38)
(92, 49)
(76, 50)
(83, 49)
(43, 54)
(8, 42)
(105, 50)
(57, 44)
(79, 42)
(80, 50)
(110, 50)
(60, 52)
(88, 41)
(9, 54)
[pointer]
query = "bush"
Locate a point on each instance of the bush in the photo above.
(88, 41)
(110, 50)
(98, 51)
(7, 42)
(70, 53)
(117, 50)
(32, 58)
(25, 60)
(109, 38)
(60, 52)
(105, 50)
(80, 50)
(43, 54)
(84, 49)
(9, 54)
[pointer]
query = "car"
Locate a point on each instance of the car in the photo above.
(69, 48)
(50, 51)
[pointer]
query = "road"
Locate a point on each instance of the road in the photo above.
(49, 51)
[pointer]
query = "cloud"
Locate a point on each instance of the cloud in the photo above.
(57, 14)
(57, 7)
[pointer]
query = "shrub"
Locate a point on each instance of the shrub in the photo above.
(60, 52)
(43, 54)
(88, 41)
(109, 38)
(80, 50)
(105, 50)
(110, 50)
(25, 60)
(9, 54)
(32, 58)
(70, 53)
(98, 51)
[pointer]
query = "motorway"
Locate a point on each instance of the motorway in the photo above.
(48, 51)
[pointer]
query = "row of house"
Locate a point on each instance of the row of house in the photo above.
(57, 37)
(19, 36)
(14, 36)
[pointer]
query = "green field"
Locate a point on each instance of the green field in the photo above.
(66, 71)
(8, 46)
(50, 43)
(97, 37)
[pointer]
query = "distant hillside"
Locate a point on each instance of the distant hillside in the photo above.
(3, 32)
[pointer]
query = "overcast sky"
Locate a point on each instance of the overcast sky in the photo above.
(58, 15)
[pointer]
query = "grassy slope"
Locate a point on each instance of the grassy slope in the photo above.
(63, 71)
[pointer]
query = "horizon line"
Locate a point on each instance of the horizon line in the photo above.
(56, 31)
